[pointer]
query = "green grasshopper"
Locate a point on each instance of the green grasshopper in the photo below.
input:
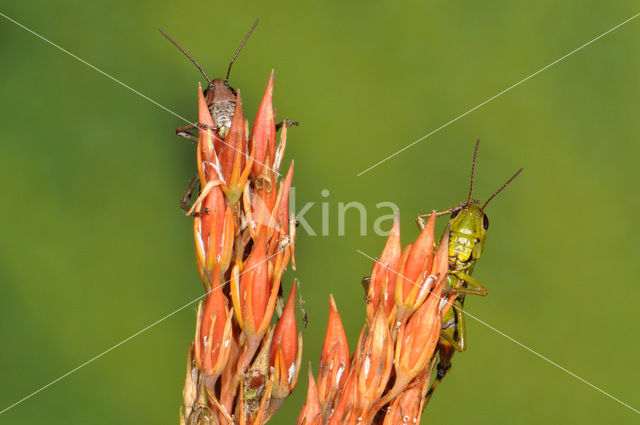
(468, 227)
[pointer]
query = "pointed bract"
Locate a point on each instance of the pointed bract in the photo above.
(384, 274)
(374, 362)
(335, 360)
(416, 277)
(263, 133)
(311, 411)
(213, 335)
(285, 352)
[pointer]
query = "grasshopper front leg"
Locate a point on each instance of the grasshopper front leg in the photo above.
(288, 123)
(421, 219)
(185, 131)
(476, 287)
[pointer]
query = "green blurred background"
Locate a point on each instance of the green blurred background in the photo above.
(93, 246)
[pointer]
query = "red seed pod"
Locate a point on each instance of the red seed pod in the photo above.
(286, 350)
(311, 413)
(407, 408)
(374, 362)
(254, 295)
(263, 133)
(236, 163)
(417, 277)
(416, 342)
(384, 274)
(282, 212)
(234, 150)
(208, 163)
(335, 361)
(213, 335)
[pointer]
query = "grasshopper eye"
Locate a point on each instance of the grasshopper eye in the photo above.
(485, 222)
(455, 213)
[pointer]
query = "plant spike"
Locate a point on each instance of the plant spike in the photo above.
(241, 368)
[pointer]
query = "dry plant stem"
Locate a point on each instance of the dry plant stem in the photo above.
(240, 367)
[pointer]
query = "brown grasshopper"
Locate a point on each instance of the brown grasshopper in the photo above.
(221, 100)
(220, 97)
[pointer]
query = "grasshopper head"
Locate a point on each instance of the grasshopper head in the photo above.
(219, 90)
(468, 229)
(469, 225)
(218, 94)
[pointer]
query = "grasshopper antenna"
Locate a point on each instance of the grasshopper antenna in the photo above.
(473, 171)
(501, 187)
(246, 37)
(175, 43)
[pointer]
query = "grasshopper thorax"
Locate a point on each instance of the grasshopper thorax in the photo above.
(221, 100)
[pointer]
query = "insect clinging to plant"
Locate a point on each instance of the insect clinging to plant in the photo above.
(220, 96)
(468, 225)
(221, 101)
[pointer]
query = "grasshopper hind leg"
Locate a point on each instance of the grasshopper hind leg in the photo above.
(185, 201)
(452, 339)
(444, 365)
(455, 333)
